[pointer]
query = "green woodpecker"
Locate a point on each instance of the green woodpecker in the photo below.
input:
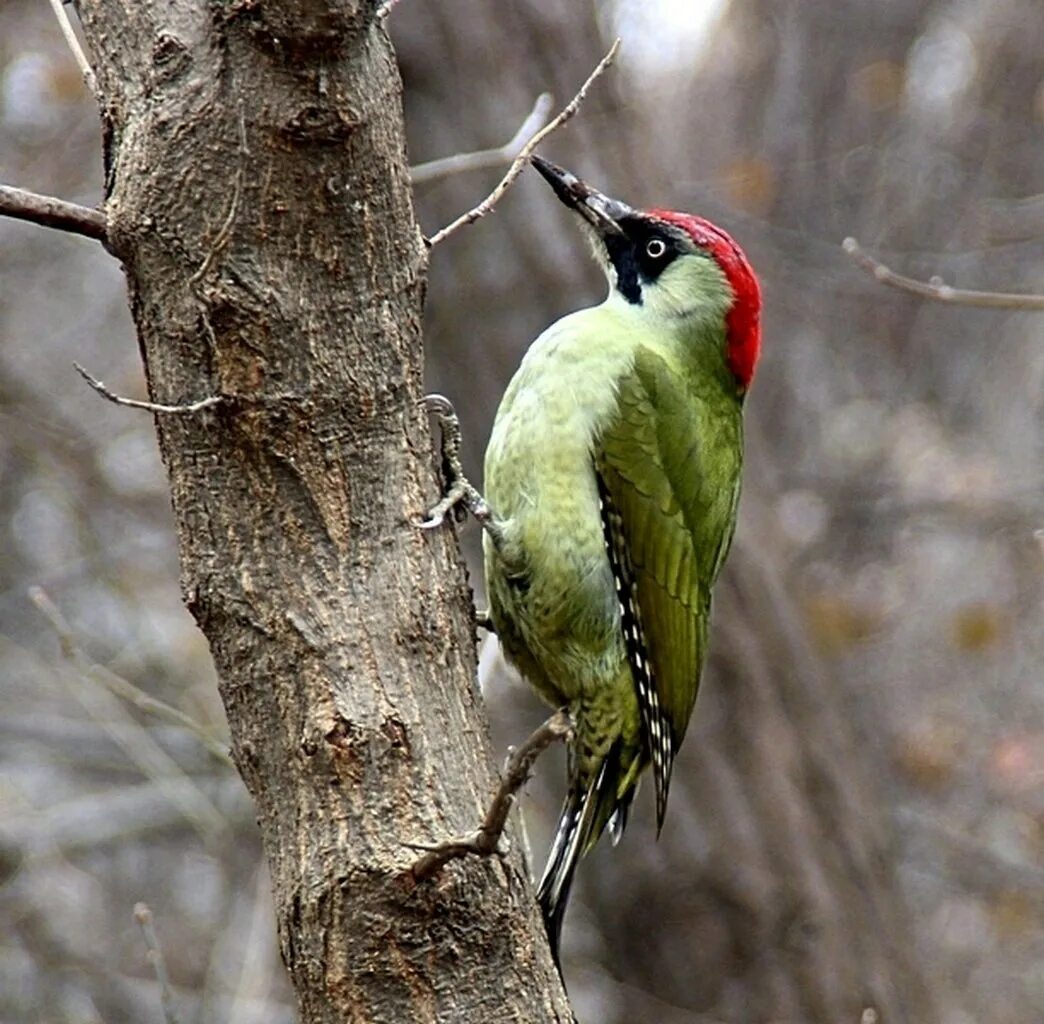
(612, 480)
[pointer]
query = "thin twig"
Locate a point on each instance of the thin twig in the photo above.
(935, 289)
(134, 403)
(135, 741)
(519, 163)
(124, 688)
(52, 213)
(113, 818)
(74, 44)
(153, 953)
(484, 840)
(459, 163)
(145, 702)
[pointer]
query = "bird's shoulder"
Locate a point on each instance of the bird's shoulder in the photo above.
(674, 438)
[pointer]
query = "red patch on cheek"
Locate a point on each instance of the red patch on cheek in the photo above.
(743, 320)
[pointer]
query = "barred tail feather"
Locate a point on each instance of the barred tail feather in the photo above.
(553, 893)
(586, 813)
(618, 822)
(656, 723)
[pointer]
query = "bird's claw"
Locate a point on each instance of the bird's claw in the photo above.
(459, 492)
(437, 513)
(462, 493)
(437, 404)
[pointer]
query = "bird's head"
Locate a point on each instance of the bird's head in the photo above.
(675, 266)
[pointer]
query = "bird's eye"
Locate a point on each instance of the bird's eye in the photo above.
(655, 248)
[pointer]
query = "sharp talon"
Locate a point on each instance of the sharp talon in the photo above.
(459, 496)
(436, 515)
(436, 403)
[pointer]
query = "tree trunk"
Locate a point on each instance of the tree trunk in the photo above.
(258, 196)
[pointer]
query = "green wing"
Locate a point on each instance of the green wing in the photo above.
(668, 465)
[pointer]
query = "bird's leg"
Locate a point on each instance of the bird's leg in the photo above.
(460, 492)
(488, 838)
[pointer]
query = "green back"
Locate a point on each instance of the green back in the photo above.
(669, 459)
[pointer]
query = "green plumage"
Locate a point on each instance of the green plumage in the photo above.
(614, 468)
(612, 481)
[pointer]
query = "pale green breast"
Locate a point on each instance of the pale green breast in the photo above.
(551, 585)
(552, 597)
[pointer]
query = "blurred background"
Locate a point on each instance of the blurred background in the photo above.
(857, 820)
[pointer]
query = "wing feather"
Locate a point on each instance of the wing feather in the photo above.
(668, 468)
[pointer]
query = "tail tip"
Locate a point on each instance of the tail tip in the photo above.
(554, 915)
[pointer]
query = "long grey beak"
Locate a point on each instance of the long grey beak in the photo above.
(601, 212)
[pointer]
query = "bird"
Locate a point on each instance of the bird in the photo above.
(612, 482)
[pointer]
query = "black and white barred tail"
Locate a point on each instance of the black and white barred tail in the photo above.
(656, 725)
(587, 812)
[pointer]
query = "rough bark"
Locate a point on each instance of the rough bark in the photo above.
(258, 196)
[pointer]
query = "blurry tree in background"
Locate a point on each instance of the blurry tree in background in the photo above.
(858, 816)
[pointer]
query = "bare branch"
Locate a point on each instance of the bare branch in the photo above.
(935, 289)
(135, 741)
(484, 840)
(114, 817)
(254, 970)
(459, 163)
(519, 163)
(123, 688)
(52, 213)
(143, 915)
(134, 403)
(74, 44)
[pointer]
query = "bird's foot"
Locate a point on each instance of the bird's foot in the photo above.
(459, 493)
(489, 837)
(436, 855)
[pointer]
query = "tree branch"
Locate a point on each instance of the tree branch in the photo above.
(134, 403)
(519, 163)
(154, 954)
(74, 45)
(73, 650)
(52, 213)
(483, 841)
(100, 703)
(459, 163)
(935, 289)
